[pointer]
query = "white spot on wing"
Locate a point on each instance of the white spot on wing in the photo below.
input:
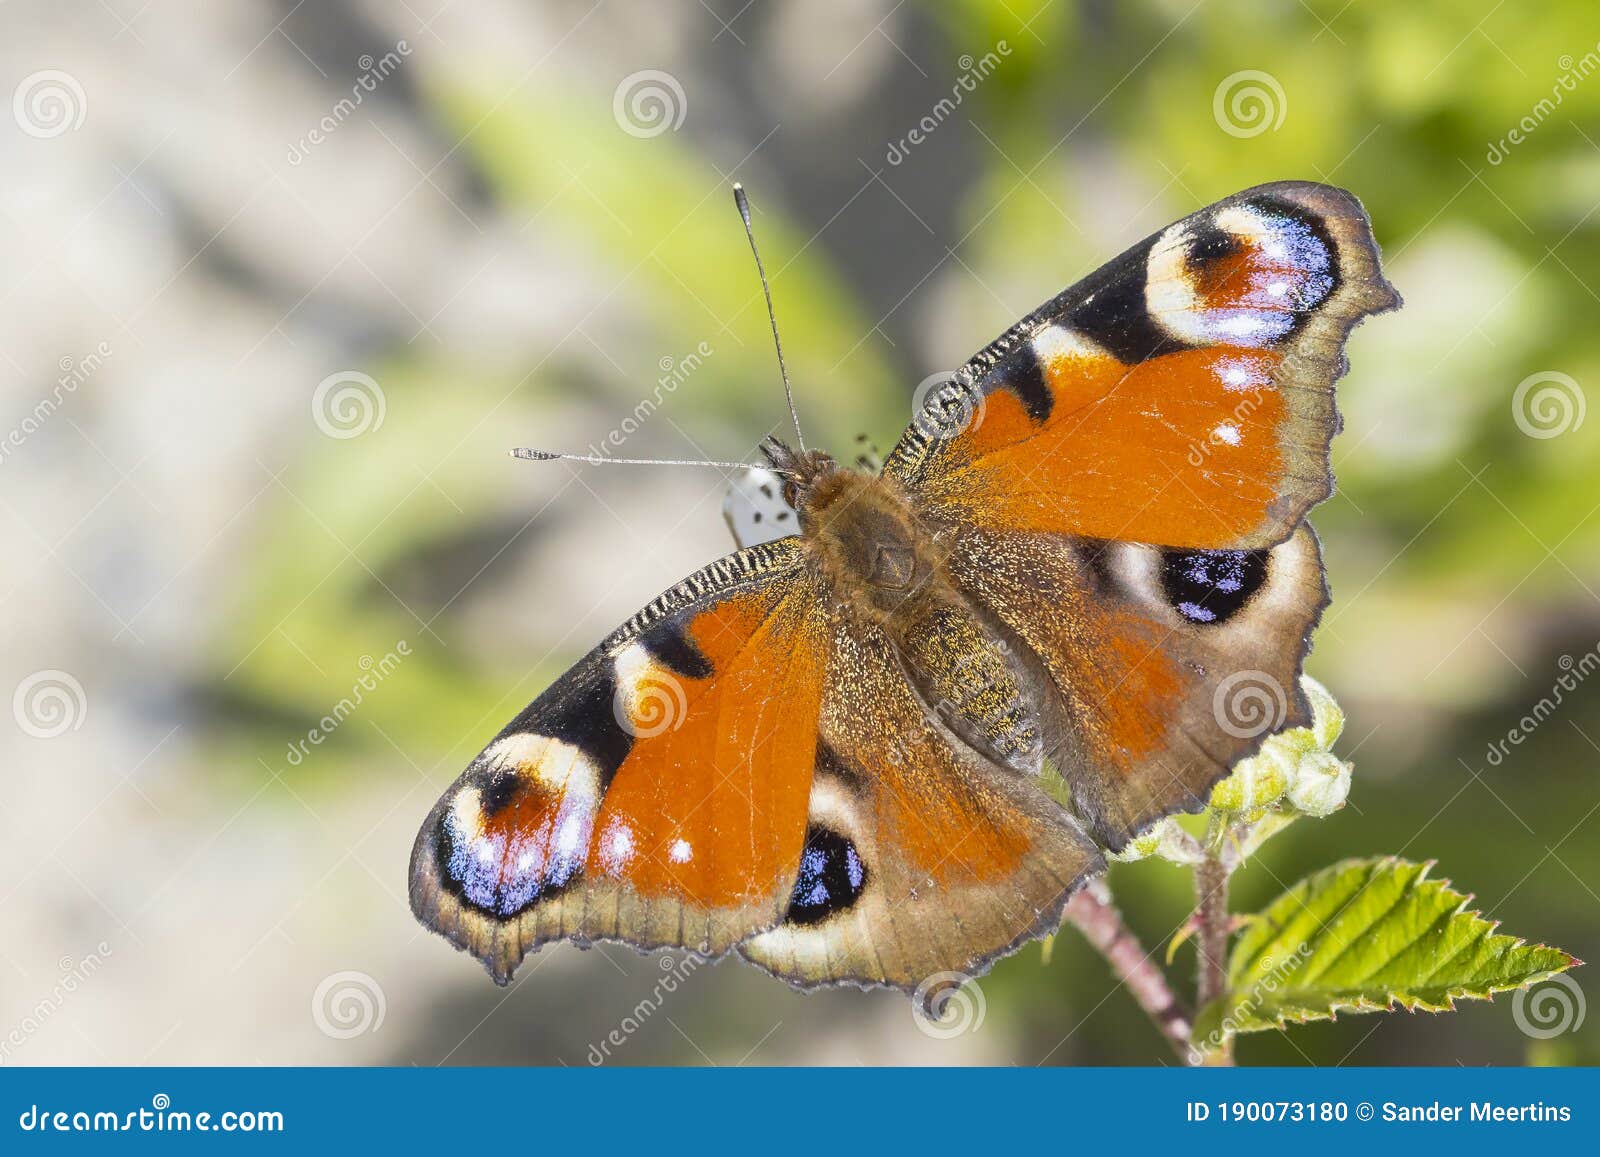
(1058, 343)
(616, 846)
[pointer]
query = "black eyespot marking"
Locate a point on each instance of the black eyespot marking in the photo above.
(668, 644)
(496, 795)
(1206, 256)
(756, 517)
(1211, 586)
(783, 516)
(832, 877)
(1114, 315)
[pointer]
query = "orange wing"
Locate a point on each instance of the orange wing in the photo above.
(657, 793)
(1181, 395)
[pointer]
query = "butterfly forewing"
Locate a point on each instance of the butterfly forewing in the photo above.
(1181, 395)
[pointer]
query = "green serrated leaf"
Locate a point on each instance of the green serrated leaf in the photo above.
(1367, 936)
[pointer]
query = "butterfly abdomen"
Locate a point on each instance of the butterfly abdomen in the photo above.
(970, 684)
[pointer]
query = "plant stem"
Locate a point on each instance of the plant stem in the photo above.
(1214, 923)
(1092, 913)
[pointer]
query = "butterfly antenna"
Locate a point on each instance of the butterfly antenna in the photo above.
(743, 202)
(529, 454)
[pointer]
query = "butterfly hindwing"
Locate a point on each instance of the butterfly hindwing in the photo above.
(1162, 667)
(1180, 395)
(656, 793)
(923, 856)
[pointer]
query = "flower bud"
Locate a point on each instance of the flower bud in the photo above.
(1165, 839)
(1142, 846)
(1258, 782)
(1321, 784)
(1327, 717)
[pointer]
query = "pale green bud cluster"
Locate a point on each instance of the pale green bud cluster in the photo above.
(1294, 774)
(1295, 771)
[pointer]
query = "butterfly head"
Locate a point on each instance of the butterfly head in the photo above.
(801, 470)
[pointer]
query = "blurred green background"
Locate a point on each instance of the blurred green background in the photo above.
(302, 329)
